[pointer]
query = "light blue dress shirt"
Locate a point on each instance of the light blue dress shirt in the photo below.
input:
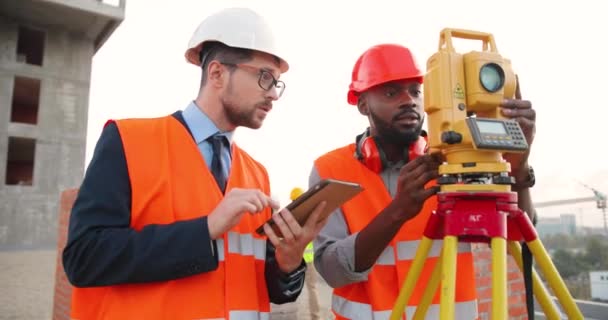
(202, 128)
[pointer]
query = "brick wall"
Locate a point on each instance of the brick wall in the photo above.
(63, 289)
(515, 284)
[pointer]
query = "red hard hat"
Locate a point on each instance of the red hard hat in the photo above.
(379, 64)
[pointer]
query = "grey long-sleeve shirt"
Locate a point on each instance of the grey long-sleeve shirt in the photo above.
(334, 247)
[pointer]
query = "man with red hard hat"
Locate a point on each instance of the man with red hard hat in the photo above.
(368, 244)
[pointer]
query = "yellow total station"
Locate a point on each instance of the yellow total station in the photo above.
(462, 93)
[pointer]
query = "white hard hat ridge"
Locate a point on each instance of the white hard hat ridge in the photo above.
(234, 27)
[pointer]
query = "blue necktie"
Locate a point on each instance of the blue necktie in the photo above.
(218, 142)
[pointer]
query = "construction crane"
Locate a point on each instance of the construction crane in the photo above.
(598, 197)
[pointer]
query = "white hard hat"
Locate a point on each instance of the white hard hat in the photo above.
(234, 27)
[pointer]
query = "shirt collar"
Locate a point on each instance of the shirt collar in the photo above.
(201, 125)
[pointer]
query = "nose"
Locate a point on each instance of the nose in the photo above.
(272, 94)
(409, 99)
(410, 96)
(408, 103)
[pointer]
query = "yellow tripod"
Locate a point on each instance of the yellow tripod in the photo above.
(498, 223)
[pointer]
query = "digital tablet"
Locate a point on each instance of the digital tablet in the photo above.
(334, 192)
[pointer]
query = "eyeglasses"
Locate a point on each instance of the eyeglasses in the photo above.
(266, 80)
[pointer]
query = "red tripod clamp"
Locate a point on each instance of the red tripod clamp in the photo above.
(479, 216)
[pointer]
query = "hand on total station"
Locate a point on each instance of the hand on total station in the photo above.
(236, 202)
(522, 112)
(294, 238)
(411, 185)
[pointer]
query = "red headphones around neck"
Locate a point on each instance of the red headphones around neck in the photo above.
(374, 158)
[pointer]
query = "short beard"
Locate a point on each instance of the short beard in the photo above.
(239, 117)
(389, 134)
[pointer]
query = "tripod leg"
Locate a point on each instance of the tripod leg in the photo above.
(448, 275)
(412, 276)
(555, 281)
(546, 266)
(540, 291)
(429, 291)
(499, 279)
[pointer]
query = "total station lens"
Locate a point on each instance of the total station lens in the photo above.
(492, 77)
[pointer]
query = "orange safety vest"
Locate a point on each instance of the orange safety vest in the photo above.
(376, 297)
(170, 182)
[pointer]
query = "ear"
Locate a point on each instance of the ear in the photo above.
(216, 74)
(362, 105)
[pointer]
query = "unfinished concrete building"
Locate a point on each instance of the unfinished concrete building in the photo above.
(46, 51)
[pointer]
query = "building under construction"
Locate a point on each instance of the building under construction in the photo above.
(46, 50)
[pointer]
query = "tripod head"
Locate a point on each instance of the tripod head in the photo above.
(462, 94)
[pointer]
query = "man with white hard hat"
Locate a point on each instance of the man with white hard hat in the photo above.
(165, 219)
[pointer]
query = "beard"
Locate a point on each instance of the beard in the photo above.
(400, 137)
(240, 114)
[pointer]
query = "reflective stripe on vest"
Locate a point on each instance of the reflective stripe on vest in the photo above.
(220, 249)
(243, 244)
(406, 250)
(357, 310)
(249, 315)
(309, 253)
(243, 315)
(246, 245)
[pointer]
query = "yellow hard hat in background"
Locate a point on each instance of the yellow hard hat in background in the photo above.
(295, 193)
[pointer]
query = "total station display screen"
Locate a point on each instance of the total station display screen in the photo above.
(491, 127)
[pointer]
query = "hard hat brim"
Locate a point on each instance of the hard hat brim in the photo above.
(193, 56)
(353, 94)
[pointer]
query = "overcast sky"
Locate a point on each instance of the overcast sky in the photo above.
(555, 47)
